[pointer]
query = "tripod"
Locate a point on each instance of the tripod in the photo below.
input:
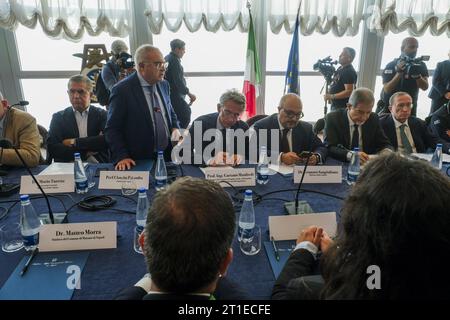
(320, 124)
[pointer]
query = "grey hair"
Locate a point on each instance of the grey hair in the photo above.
(118, 46)
(361, 95)
(177, 43)
(233, 95)
(397, 94)
(140, 53)
(79, 78)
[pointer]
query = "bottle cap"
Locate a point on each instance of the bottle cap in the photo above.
(248, 193)
(24, 197)
(439, 145)
(142, 190)
(76, 154)
(160, 153)
(356, 149)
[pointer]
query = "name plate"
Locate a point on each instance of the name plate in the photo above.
(63, 183)
(244, 177)
(116, 179)
(319, 174)
(78, 236)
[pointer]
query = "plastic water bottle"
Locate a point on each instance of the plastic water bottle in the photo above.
(160, 172)
(81, 181)
(353, 168)
(436, 159)
(262, 171)
(141, 217)
(29, 223)
(246, 217)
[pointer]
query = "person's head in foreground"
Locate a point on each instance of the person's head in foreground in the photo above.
(188, 236)
(397, 217)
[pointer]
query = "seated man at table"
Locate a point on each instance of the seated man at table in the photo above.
(294, 136)
(219, 138)
(440, 124)
(20, 128)
(392, 244)
(191, 265)
(355, 127)
(406, 133)
(78, 128)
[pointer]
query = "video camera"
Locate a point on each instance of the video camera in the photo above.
(124, 61)
(325, 67)
(412, 65)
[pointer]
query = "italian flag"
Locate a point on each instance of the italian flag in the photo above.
(252, 76)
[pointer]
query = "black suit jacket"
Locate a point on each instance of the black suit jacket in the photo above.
(337, 135)
(303, 137)
(209, 121)
(423, 137)
(64, 126)
(441, 80)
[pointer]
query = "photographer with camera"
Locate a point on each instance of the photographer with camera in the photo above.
(119, 66)
(406, 73)
(343, 81)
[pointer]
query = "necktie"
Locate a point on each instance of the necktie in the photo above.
(405, 141)
(355, 138)
(284, 141)
(161, 135)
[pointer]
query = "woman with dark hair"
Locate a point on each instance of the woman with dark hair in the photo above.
(394, 239)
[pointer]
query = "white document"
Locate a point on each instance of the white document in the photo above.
(60, 168)
(61, 183)
(289, 227)
(282, 168)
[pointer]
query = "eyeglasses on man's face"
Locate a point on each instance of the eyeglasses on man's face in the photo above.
(80, 92)
(158, 64)
(228, 113)
(293, 115)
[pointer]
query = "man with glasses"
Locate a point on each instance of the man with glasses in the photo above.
(141, 119)
(78, 128)
(219, 138)
(294, 136)
(355, 127)
(407, 133)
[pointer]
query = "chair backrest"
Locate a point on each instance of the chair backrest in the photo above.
(43, 138)
(253, 119)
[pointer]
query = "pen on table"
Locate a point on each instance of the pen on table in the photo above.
(28, 263)
(275, 249)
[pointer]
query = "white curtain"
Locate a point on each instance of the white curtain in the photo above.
(416, 16)
(342, 17)
(68, 18)
(212, 14)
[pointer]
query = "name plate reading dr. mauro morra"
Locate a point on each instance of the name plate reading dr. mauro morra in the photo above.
(78, 236)
(319, 174)
(116, 179)
(244, 177)
(63, 183)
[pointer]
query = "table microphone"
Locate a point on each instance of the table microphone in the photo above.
(7, 144)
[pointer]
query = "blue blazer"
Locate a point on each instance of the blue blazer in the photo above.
(129, 129)
(441, 80)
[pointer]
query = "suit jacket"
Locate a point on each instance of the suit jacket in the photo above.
(298, 280)
(129, 129)
(303, 137)
(439, 123)
(337, 135)
(441, 80)
(64, 126)
(20, 128)
(423, 137)
(209, 121)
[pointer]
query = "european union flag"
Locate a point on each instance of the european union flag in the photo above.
(291, 82)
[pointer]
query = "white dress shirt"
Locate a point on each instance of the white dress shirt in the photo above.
(408, 135)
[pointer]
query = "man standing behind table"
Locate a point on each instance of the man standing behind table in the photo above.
(178, 88)
(140, 117)
(440, 91)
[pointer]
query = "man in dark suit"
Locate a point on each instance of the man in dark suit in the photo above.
(407, 133)
(292, 135)
(440, 124)
(356, 126)
(141, 119)
(219, 138)
(440, 90)
(190, 265)
(178, 88)
(78, 128)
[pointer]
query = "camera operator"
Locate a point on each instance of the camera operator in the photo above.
(119, 66)
(404, 74)
(343, 82)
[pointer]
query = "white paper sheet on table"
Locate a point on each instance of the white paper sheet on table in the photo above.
(427, 156)
(283, 169)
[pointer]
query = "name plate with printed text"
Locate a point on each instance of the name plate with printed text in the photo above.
(116, 179)
(78, 236)
(319, 174)
(63, 183)
(244, 177)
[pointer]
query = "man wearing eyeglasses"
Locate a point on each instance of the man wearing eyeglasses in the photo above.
(214, 137)
(355, 127)
(78, 128)
(295, 136)
(141, 118)
(407, 133)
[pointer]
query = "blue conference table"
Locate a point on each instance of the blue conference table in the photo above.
(108, 271)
